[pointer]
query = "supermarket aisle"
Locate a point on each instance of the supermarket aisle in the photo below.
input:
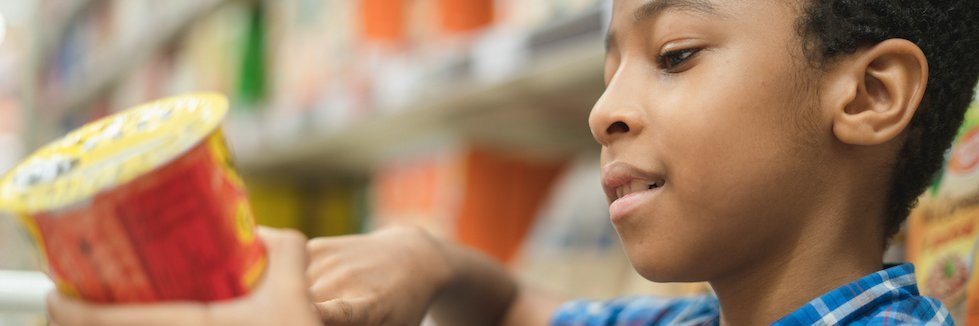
(346, 115)
(467, 117)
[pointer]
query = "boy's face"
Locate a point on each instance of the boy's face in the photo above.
(706, 103)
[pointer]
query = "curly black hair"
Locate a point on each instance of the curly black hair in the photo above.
(947, 31)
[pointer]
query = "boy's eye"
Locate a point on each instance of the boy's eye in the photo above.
(673, 60)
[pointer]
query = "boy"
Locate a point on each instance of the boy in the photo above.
(767, 147)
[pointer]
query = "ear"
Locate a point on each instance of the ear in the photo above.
(874, 93)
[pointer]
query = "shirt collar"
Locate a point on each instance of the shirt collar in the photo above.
(857, 298)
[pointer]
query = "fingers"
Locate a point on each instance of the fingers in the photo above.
(344, 312)
(327, 244)
(65, 311)
(338, 282)
(326, 257)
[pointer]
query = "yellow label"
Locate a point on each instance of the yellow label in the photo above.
(111, 151)
(66, 288)
(244, 223)
(35, 233)
(219, 150)
(254, 272)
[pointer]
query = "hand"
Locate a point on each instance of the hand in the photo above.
(387, 277)
(281, 298)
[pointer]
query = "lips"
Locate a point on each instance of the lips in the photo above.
(637, 186)
(628, 188)
(621, 179)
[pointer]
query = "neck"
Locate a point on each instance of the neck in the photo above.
(831, 252)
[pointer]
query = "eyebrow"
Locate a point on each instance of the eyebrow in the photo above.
(653, 8)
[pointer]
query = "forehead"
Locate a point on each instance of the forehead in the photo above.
(736, 15)
(641, 10)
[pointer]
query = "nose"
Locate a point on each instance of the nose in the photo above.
(614, 117)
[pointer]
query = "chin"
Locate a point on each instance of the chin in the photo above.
(661, 275)
(665, 270)
(665, 259)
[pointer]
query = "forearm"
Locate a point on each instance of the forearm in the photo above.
(482, 292)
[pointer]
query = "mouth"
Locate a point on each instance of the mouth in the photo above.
(621, 180)
(635, 186)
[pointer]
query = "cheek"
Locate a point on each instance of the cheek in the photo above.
(732, 158)
(740, 128)
(732, 140)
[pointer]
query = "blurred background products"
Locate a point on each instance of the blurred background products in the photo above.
(943, 230)
(467, 117)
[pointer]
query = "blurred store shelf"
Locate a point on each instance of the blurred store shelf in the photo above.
(538, 109)
(125, 54)
(61, 18)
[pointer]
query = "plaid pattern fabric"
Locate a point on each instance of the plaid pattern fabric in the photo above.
(887, 297)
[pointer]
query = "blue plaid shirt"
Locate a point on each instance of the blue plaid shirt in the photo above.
(887, 297)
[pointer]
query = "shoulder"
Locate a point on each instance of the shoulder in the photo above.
(637, 310)
(917, 310)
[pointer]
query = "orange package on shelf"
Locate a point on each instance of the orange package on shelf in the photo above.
(502, 197)
(383, 20)
(465, 15)
(411, 190)
(143, 205)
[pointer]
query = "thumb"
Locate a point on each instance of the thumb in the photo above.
(287, 259)
(343, 311)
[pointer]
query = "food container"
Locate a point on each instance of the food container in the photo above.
(143, 205)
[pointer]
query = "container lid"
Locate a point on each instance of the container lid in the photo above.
(110, 151)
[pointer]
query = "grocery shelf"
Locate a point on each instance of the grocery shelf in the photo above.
(537, 110)
(540, 111)
(121, 58)
(57, 27)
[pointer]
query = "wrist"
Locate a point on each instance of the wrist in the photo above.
(434, 262)
(443, 260)
(472, 288)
